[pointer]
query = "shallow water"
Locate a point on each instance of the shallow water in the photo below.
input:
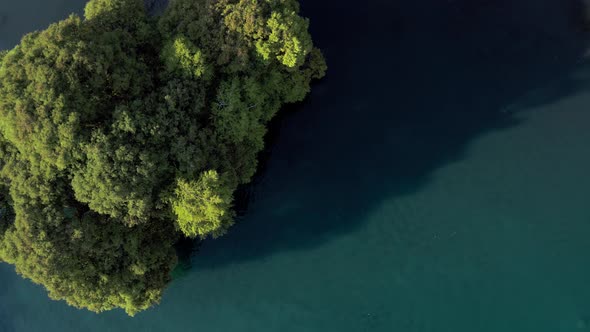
(436, 180)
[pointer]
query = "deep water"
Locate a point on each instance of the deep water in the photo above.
(435, 180)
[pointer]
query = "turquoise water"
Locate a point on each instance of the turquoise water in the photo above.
(436, 180)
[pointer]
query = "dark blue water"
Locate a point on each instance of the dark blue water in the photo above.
(435, 180)
(20, 17)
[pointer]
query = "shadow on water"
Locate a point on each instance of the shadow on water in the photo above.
(410, 84)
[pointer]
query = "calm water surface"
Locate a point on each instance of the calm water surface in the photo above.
(436, 180)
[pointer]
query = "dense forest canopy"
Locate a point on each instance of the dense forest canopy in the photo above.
(121, 132)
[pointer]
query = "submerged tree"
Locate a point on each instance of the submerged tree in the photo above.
(120, 132)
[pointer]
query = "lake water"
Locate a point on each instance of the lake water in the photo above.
(435, 180)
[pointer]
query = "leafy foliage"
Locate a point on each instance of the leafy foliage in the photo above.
(121, 132)
(182, 57)
(203, 207)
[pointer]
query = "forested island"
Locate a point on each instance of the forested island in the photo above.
(121, 133)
